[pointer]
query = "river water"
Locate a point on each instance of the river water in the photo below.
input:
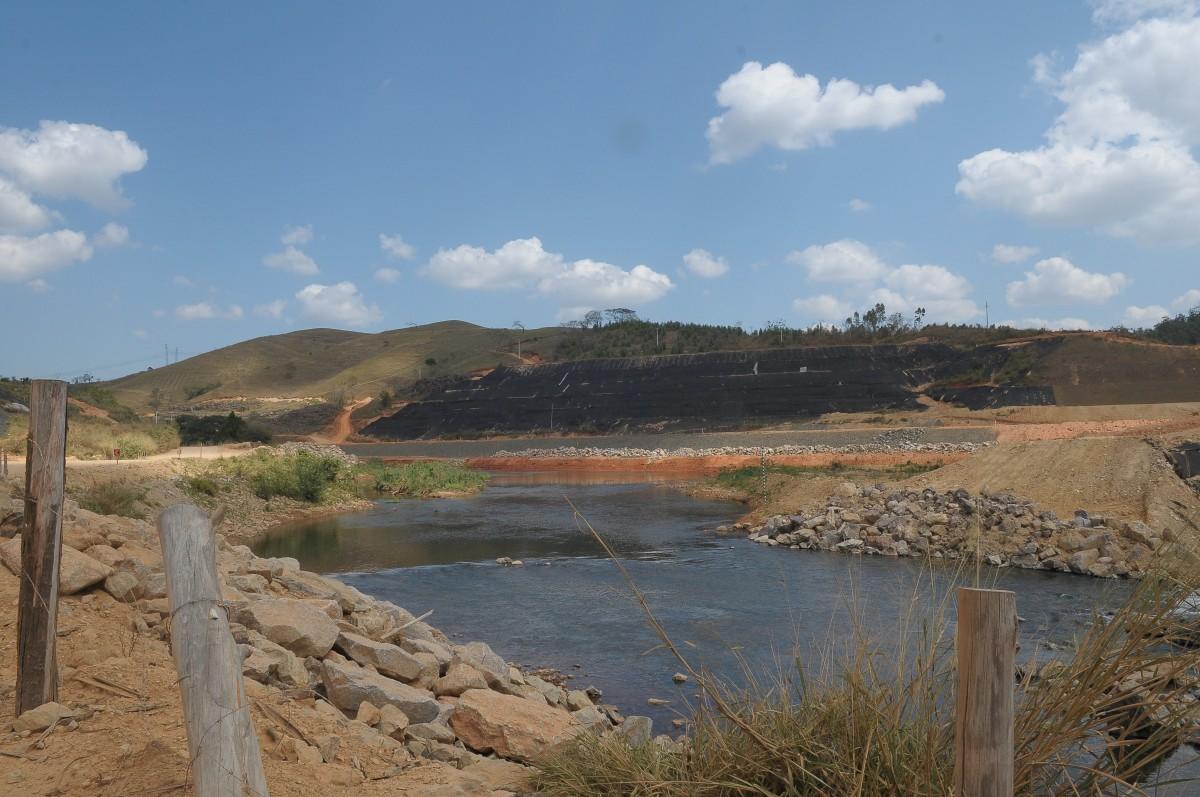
(722, 599)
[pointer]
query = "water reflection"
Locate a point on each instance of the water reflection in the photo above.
(520, 518)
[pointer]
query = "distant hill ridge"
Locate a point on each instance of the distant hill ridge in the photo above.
(338, 366)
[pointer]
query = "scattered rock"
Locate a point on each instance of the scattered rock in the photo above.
(348, 685)
(459, 678)
(636, 730)
(39, 719)
(77, 571)
(296, 625)
(511, 727)
(387, 659)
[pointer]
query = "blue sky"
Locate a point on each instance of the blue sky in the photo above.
(194, 175)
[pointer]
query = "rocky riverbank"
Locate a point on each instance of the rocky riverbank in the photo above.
(998, 529)
(349, 691)
(886, 447)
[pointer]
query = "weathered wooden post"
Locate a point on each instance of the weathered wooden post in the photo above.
(987, 647)
(41, 545)
(224, 749)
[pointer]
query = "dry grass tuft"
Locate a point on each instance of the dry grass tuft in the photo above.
(878, 721)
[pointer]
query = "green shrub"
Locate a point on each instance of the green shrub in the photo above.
(421, 479)
(113, 498)
(135, 445)
(214, 429)
(303, 476)
(202, 485)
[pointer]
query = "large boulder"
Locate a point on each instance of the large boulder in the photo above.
(77, 571)
(296, 625)
(305, 583)
(511, 727)
(388, 659)
(458, 679)
(348, 685)
(480, 656)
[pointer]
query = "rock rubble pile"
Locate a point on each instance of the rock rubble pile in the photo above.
(882, 445)
(997, 528)
(381, 673)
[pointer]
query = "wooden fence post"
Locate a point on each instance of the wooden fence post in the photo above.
(224, 748)
(41, 545)
(987, 647)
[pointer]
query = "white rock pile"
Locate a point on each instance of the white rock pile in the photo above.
(997, 528)
(885, 446)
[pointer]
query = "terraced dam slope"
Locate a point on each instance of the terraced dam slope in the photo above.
(721, 390)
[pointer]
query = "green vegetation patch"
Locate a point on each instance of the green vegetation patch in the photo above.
(302, 476)
(422, 479)
(114, 498)
(214, 429)
(749, 480)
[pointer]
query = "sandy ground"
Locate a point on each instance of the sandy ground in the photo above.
(1125, 477)
(131, 739)
(153, 466)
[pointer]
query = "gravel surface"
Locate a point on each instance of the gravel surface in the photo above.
(831, 438)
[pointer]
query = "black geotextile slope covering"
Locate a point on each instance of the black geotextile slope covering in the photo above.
(982, 397)
(720, 390)
(1186, 459)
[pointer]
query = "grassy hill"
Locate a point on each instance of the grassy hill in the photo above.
(336, 367)
(331, 364)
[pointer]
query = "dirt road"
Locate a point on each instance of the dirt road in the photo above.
(342, 427)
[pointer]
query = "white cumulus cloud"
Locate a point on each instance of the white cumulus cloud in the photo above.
(1058, 279)
(111, 235)
(859, 205)
(293, 260)
(1119, 158)
(272, 309)
(1010, 253)
(339, 305)
(523, 264)
(1148, 316)
(297, 236)
(773, 106)
(517, 264)
(18, 211)
(395, 246)
(846, 260)
(1187, 300)
(1068, 324)
(944, 294)
(203, 311)
(591, 280)
(822, 307)
(66, 160)
(388, 275)
(1124, 11)
(703, 263)
(23, 258)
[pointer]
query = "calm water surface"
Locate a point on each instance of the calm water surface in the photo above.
(568, 607)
